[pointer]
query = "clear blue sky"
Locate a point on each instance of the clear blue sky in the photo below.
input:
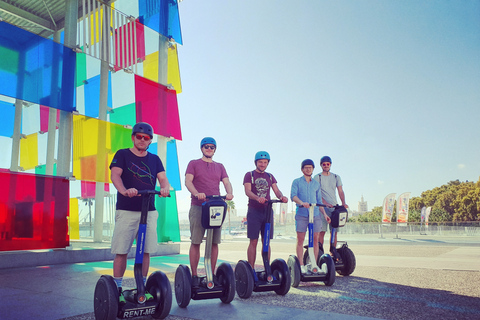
(389, 89)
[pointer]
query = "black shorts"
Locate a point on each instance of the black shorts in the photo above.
(256, 220)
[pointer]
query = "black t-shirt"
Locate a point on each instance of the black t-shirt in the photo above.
(139, 173)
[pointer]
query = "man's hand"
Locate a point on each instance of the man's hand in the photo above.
(201, 196)
(132, 192)
(306, 205)
(261, 200)
(328, 219)
(229, 196)
(284, 199)
(165, 192)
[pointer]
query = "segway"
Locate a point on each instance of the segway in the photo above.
(343, 256)
(106, 304)
(321, 270)
(274, 277)
(213, 214)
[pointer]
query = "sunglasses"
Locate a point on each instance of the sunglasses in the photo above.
(326, 164)
(140, 137)
(209, 147)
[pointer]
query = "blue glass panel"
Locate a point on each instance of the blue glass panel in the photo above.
(92, 95)
(36, 69)
(173, 172)
(161, 16)
(7, 110)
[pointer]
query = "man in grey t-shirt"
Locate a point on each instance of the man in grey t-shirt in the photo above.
(330, 183)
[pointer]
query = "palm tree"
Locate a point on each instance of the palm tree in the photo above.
(230, 205)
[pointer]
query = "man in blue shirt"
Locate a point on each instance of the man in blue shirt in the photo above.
(305, 191)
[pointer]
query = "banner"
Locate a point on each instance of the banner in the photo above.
(427, 214)
(422, 214)
(402, 207)
(387, 210)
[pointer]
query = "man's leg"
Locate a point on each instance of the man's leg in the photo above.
(300, 240)
(194, 255)
(119, 265)
(252, 252)
(316, 236)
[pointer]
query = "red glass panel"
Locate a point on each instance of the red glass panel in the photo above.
(157, 105)
(123, 45)
(33, 211)
(88, 189)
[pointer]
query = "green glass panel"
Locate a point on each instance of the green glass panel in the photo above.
(125, 115)
(81, 68)
(121, 137)
(168, 228)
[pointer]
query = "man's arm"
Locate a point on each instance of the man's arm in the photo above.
(278, 193)
(116, 176)
(164, 184)
(295, 198)
(341, 195)
(228, 188)
(251, 195)
(191, 187)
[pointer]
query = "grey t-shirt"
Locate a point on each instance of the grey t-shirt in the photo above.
(329, 186)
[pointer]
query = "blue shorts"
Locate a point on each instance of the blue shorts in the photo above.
(256, 220)
(301, 223)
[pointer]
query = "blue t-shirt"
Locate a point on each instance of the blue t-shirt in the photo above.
(139, 173)
(307, 192)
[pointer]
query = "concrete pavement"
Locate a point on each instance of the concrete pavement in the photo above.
(415, 277)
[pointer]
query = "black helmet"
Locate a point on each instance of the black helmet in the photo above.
(143, 127)
(308, 162)
(325, 159)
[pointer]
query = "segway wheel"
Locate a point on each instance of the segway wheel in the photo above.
(281, 272)
(327, 259)
(244, 279)
(183, 286)
(349, 262)
(294, 268)
(105, 302)
(226, 279)
(159, 287)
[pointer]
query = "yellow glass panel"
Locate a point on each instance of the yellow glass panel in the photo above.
(91, 147)
(73, 221)
(29, 152)
(96, 20)
(150, 68)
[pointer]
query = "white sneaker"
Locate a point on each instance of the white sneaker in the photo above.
(324, 268)
(303, 269)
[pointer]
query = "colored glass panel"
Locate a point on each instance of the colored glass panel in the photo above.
(81, 69)
(150, 68)
(157, 105)
(161, 16)
(33, 211)
(91, 149)
(42, 169)
(124, 115)
(44, 115)
(30, 119)
(73, 220)
(173, 171)
(168, 228)
(121, 137)
(124, 40)
(92, 95)
(88, 189)
(7, 110)
(38, 70)
(29, 152)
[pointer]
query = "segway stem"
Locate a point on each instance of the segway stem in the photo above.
(311, 252)
(208, 256)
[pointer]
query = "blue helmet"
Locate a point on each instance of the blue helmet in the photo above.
(308, 162)
(325, 159)
(262, 155)
(208, 140)
(143, 127)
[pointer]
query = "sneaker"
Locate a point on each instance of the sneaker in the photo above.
(303, 269)
(121, 298)
(195, 281)
(324, 268)
(148, 296)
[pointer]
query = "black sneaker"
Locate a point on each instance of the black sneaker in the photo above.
(121, 298)
(195, 281)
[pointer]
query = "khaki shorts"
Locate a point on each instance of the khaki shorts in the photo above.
(196, 230)
(126, 228)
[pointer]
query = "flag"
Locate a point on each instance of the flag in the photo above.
(387, 210)
(402, 207)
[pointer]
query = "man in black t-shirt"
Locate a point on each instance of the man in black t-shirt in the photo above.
(135, 169)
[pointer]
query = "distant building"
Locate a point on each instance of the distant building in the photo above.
(362, 206)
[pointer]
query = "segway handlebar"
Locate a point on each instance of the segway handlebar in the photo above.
(215, 197)
(274, 201)
(141, 192)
